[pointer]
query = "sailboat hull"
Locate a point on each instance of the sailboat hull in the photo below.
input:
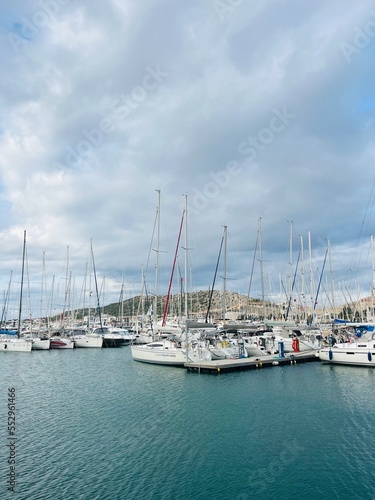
(88, 340)
(348, 356)
(15, 345)
(41, 344)
(152, 353)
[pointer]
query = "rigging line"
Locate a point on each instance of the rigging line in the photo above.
(152, 240)
(97, 291)
(28, 287)
(173, 267)
(361, 231)
(252, 273)
(320, 280)
(6, 301)
(291, 291)
(213, 283)
(144, 272)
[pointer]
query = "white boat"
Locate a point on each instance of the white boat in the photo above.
(10, 340)
(39, 343)
(10, 344)
(127, 337)
(161, 352)
(62, 343)
(109, 339)
(88, 340)
(165, 352)
(257, 346)
(307, 339)
(359, 353)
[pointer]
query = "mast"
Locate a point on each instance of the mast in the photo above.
(251, 277)
(67, 284)
(185, 287)
(21, 291)
(96, 288)
(225, 274)
(90, 285)
(303, 283)
(41, 295)
(373, 274)
(157, 261)
(213, 284)
(291, 291)
(311, 277)
(320, 280)
(261, 266)
(291, 279)
(332, 283)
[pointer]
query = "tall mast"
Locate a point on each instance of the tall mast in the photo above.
(96, 289)
(311, 277)
(225, 274)
(213, 284)
(157, 260)
(373, 273)
(185, 285)
(332, 283)
(303, 283)
(261, 266)
(21, 291)
(291, 263)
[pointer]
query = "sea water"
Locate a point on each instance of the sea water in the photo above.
(94, 424)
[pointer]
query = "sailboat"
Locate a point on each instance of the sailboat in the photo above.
(172, 351)
(40, 340)
(10, 339)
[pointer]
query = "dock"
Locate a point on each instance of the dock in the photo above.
(230, 365)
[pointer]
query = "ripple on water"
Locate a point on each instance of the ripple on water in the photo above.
(95, 424)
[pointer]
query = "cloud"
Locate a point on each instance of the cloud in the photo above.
(101, 105)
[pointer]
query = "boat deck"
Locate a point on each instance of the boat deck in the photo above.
(228, 365)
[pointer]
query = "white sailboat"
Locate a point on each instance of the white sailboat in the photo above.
(163, 352)
(172, 352)
(10, 344)
(82, 338)
(39, 342)
(359, 353)
(10, 341)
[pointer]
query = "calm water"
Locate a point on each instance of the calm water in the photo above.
(94, 424)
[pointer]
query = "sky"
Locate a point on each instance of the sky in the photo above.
(256, 116)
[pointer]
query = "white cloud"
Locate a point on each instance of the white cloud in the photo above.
(85, 76)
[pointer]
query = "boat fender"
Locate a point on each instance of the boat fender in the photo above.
(369, 356)
(330, 355)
